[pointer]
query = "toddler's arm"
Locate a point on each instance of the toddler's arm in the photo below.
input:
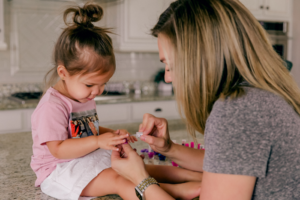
(78, 147)
(122, 132)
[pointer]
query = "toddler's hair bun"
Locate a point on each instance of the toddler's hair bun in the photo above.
(84, 16)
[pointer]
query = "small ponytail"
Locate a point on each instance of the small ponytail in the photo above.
(82, 47)
(84, 16)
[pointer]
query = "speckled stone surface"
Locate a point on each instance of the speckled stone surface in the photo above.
(16, 177)
(8, 104)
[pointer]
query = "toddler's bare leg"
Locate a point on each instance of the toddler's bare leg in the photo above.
(187, 190)
(170, 174)
(109, 182)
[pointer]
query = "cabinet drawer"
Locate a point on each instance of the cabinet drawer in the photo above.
(10, 121)
(113, 113)
(165, 109)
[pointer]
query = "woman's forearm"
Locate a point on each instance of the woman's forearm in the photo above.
(186, 157)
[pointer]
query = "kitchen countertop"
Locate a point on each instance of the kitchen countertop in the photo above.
(17, 178)
(8, 104)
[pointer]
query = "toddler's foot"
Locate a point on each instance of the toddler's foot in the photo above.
(188, 190)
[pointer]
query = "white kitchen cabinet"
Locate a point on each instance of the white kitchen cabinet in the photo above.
(270, 9)
(255, 6)
(113, 114)
(13, 121)
(132, 21)
(163, 109)
(3, 45)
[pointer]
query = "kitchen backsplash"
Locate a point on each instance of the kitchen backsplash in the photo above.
(30, 36)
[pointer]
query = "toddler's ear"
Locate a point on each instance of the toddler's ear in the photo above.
(62, 72)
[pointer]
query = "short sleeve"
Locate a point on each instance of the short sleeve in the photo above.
(237, 139)
(51, 122)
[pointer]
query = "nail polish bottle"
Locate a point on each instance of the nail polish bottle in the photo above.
(150, 155)
(192, 144)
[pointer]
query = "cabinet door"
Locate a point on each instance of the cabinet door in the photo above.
(11, 121)
(255, 6)
(113, 114)
(136, 19)
(3, 45)
(278, 8)
(164, 109)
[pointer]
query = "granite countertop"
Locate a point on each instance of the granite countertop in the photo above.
(8, 104)
(17, 178)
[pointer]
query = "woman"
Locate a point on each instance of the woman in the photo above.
(232, 86)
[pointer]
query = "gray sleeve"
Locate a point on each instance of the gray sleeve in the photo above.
(237, 139)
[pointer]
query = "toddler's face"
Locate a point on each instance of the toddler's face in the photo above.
(84, 88)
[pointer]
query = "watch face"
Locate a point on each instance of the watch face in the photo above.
(138, 194)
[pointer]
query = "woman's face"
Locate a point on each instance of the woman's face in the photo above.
(165, 49)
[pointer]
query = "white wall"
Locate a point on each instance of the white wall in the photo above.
(32, 31)
(296, 42)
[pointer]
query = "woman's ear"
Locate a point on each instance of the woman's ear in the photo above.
(62, 72)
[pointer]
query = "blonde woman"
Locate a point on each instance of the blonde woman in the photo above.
(232, 87)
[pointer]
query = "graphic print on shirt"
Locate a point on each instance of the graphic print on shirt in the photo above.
(84, 123)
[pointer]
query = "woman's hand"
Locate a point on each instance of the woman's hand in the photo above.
(110, 140)
(156, 133)
(129, 165)
(130, 137)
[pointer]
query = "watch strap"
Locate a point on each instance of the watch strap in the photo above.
(146, 183)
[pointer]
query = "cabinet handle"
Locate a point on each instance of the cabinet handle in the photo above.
(267, 7)
(261, 7)
(158, 110)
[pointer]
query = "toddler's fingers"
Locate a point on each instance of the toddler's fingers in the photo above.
(117, 132)
(117, 142)
(113, 148)
(118, 137)
(134, 138)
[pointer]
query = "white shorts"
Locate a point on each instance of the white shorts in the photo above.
(69, 179)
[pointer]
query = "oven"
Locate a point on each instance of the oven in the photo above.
(278, 34)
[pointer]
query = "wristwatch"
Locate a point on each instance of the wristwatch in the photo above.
(140, 189)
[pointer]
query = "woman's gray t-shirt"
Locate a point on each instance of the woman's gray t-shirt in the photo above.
(258, 135)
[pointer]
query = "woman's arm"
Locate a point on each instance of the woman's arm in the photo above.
(186, 157)
(226, 186)
(156, 134)
(132, 168)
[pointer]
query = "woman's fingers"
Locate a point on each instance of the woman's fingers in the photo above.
(159, 142)
(151, 123)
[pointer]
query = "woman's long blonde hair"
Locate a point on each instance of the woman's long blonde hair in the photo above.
(217, 45)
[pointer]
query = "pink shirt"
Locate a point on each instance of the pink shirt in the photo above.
(55, 117)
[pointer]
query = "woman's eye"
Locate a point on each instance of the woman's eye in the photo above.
(89, 85)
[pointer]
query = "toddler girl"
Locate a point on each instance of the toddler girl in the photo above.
(71, 153)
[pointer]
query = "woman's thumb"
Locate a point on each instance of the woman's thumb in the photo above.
(152, 140)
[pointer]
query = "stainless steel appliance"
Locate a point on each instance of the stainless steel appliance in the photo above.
(278, 32)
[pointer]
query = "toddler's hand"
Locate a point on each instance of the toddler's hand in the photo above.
(110, 140)
(130, 138)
